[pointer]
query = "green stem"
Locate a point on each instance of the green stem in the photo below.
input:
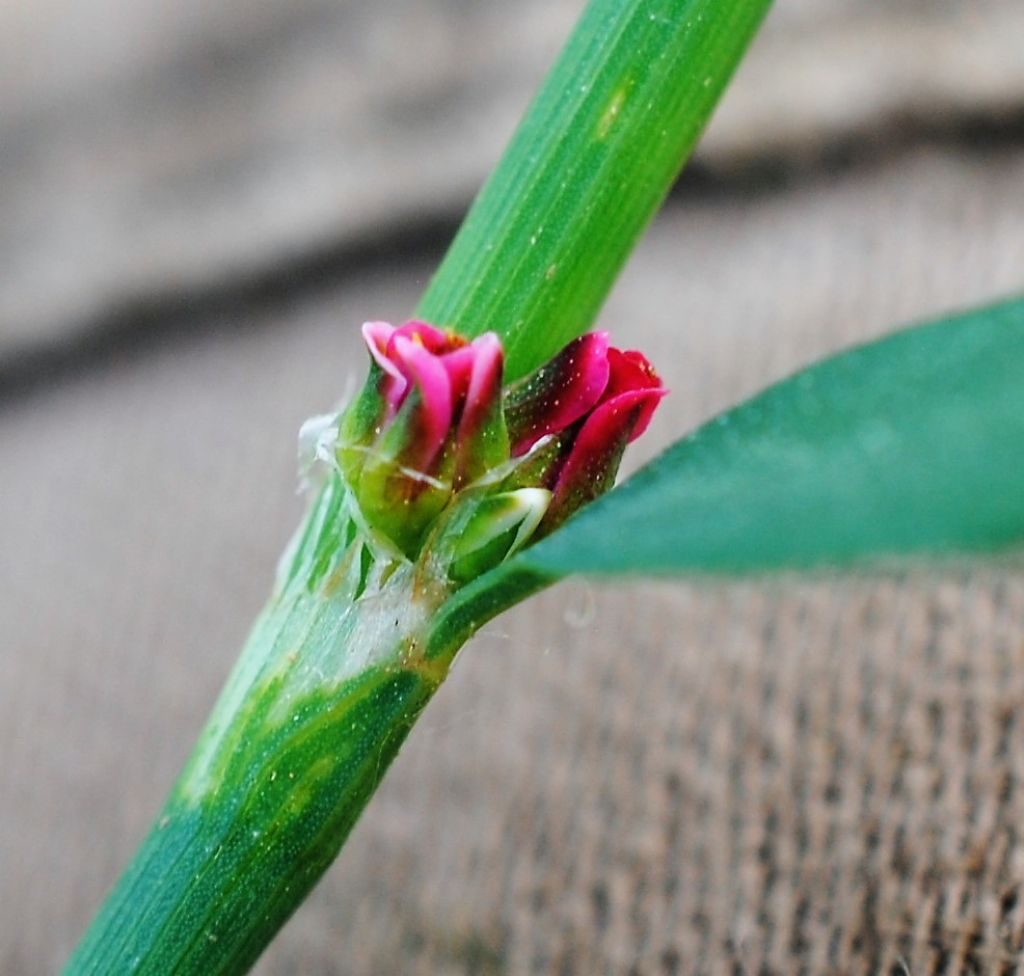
(328, 685)
(347, 653)
(222, 870)
(586, 170)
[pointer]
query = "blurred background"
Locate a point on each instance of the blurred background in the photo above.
(200, 203)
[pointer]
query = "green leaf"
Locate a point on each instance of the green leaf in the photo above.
(910, 445)
(594, 156)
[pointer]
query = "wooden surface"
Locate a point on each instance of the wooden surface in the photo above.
(803, 776)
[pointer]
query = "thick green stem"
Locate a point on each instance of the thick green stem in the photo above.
(586, 170)
(221, 871)
(347, 653)
(331, 679)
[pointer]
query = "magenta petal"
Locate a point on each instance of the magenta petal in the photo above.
(593, 461)
(430, 378)
(378, 336)
(610, 427)
(481, 439)
(459, 367)
(648, 404)
(433, 339)
(484, 383)
(630, 371)
(560, 392)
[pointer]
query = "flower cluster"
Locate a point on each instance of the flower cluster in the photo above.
(434, 426)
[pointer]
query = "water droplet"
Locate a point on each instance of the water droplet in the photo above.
(581, 611)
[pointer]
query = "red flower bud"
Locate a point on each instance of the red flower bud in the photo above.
(591, 400)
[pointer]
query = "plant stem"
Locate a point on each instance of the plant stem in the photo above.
(331, 679)
(586, 170)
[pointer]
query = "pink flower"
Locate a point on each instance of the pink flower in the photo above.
(454, 383)
(428, 422)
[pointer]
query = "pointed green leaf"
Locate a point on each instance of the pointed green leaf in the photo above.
(910, 445)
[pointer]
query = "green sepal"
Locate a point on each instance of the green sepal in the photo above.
(499, 526)
(395, 498)
(484, 449)
(360, 424)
